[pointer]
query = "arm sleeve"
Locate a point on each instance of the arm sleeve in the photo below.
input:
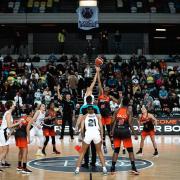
(97, 109)
(80, 111)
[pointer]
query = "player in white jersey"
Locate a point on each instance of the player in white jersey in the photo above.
(37, 122)
(6, 129)
(89, 90)
(93, 132)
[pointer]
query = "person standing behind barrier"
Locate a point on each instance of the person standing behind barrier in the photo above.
(68, 113)
(61, 40)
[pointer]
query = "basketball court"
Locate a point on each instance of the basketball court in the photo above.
(165, 167)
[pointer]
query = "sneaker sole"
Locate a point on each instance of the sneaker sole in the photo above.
(18, 170)
(55, 153)
(156, 156)
(134, 172)
(25, 172)
(113, 173)
(140, 155)
(40, 155)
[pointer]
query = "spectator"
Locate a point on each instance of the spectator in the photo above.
(34, 74)
(17, 42)
(63, 58)
(19, 104)
(52, 58)
(36, 58)
(21, 58)
(88, 75)
(61, 40)
(13, 65)
(38, 97)
(47, 95)
(163, 94)
(104, 41)
(148, 102)
(73, 83)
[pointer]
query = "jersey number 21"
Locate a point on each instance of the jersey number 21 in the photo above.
(91, 122)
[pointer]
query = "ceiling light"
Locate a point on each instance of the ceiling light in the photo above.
(162, 30)
(88, 3)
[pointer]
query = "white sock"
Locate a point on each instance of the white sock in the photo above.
(104, 168)
(77, 169)
(3, 161)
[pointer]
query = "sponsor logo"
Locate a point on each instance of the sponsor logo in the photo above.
(68, 164)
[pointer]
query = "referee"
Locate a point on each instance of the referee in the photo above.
(68, 114)
(83, 111)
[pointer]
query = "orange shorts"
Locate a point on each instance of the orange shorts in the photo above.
(106, 120)
(48, 132)
(127, 143)
(21, 142)
(149, 133)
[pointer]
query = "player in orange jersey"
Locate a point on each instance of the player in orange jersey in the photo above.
(149, 123)
(104, 106)
(22, 142)
(122, 120)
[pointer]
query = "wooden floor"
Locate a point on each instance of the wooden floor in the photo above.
(166, 167)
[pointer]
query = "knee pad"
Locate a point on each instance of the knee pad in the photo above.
(130, 149)
(116, 150)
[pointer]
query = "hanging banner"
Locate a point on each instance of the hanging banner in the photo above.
(87, 18)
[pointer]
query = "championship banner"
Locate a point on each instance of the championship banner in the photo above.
(87, 18)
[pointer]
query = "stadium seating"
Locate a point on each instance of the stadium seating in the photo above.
(105, 6)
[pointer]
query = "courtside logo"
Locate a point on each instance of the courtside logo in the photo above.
(68, 164)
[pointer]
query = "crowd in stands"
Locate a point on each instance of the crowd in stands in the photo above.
(154, 84)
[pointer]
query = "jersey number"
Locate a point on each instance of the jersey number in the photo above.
(121, 122)
(91, 122)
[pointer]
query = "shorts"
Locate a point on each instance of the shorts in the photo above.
(92, 136)
(3, 141)
(48, 132)
(21, 142)
(127, 143)
(106, 120)
(147, 133)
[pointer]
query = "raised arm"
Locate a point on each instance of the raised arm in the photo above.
(58, 93)
(99, 81)
(93, 82)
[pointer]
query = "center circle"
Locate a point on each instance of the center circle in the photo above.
(68, 164)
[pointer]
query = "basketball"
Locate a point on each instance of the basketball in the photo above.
(98, 61)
